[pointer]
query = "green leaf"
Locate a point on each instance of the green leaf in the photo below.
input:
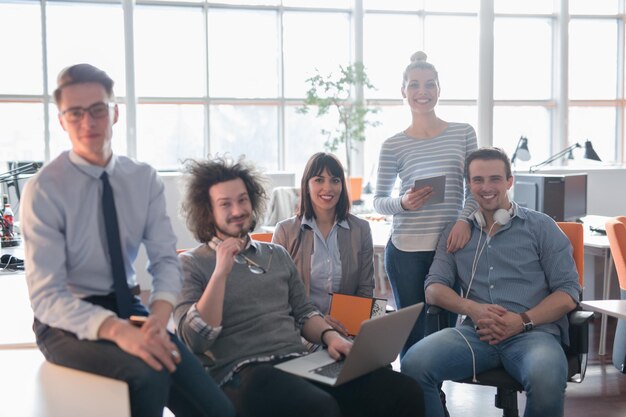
(335, 91)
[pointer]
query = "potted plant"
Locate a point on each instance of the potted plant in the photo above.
(335, 92)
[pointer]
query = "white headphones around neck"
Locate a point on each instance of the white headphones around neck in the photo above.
(501, 217)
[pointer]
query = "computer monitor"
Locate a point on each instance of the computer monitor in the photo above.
(562, 197)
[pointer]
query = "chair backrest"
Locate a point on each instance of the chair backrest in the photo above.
(575, 233)
(283, 204)
(262, 237)
(616, 232)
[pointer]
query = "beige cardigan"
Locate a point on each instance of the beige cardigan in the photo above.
(356, 252)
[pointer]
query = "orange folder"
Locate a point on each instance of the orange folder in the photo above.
(351, 310)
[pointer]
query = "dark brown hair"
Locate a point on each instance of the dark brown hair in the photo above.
(201, 175)
(80, 74)
(314, 167)
(487, 154)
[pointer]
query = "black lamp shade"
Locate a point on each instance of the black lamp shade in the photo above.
(521, 151)
(590, 153)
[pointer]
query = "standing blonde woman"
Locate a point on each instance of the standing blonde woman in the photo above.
(429, 146)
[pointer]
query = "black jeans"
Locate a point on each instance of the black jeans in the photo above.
(261, 390)
(188, 391)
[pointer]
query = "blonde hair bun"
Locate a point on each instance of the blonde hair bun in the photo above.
(419, 56)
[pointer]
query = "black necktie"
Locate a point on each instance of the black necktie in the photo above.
(123, 295)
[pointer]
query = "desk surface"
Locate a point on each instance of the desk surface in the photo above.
(615, 308)
(16, 316)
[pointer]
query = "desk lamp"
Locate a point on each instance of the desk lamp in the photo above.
(15, 170)
(590, 153)
(521, 151)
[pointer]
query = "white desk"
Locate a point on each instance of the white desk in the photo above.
(615, 308)
(598, 245)
(16, 316)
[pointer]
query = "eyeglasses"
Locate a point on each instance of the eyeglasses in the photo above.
(242, 259)
(96, 111)
(254, 267)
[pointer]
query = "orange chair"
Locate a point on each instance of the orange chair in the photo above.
(616, 232)
(574, 232)
(262, 237)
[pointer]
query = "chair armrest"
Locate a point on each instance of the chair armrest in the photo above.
(579, 331)
(436, 319)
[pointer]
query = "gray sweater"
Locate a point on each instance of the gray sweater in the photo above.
(262, 316)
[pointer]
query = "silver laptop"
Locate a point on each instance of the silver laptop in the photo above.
(378, 344)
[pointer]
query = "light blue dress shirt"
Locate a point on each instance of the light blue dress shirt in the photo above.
(66, 255)
(325, 264)
(526, 260)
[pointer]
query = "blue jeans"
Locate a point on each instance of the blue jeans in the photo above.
(189, 391)
(535, 359)
(407, 272)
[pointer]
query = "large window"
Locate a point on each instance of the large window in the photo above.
(194, 77)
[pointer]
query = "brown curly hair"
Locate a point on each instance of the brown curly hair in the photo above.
(201, 175)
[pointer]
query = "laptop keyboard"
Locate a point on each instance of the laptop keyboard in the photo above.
(331, 370)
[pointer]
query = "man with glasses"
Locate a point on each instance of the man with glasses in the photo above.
(243, 308)
(83, 218)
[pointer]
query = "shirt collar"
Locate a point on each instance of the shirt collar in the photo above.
(254, 244)
(94, 171)
(251, 244)
(312, 224)
(516, 212)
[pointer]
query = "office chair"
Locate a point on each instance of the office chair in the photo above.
(507, 387)
(283, 205)
(616, 232)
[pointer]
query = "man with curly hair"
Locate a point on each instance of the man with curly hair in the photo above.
(244, 308)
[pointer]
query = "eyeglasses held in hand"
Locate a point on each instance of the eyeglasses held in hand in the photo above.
(96, 111)
(242, 259)
(254, 267)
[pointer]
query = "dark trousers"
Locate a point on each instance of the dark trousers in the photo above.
(189, 391)
(407, 272)
(261, 390)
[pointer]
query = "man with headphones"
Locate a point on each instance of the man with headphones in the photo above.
(518, 281)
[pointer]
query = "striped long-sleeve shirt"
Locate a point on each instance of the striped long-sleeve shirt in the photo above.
(410, 159)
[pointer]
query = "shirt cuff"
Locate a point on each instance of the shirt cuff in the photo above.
(300, 323)
(198, 325)
(93, 324)
(164, 296)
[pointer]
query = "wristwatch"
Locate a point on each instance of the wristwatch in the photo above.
(526, 322)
